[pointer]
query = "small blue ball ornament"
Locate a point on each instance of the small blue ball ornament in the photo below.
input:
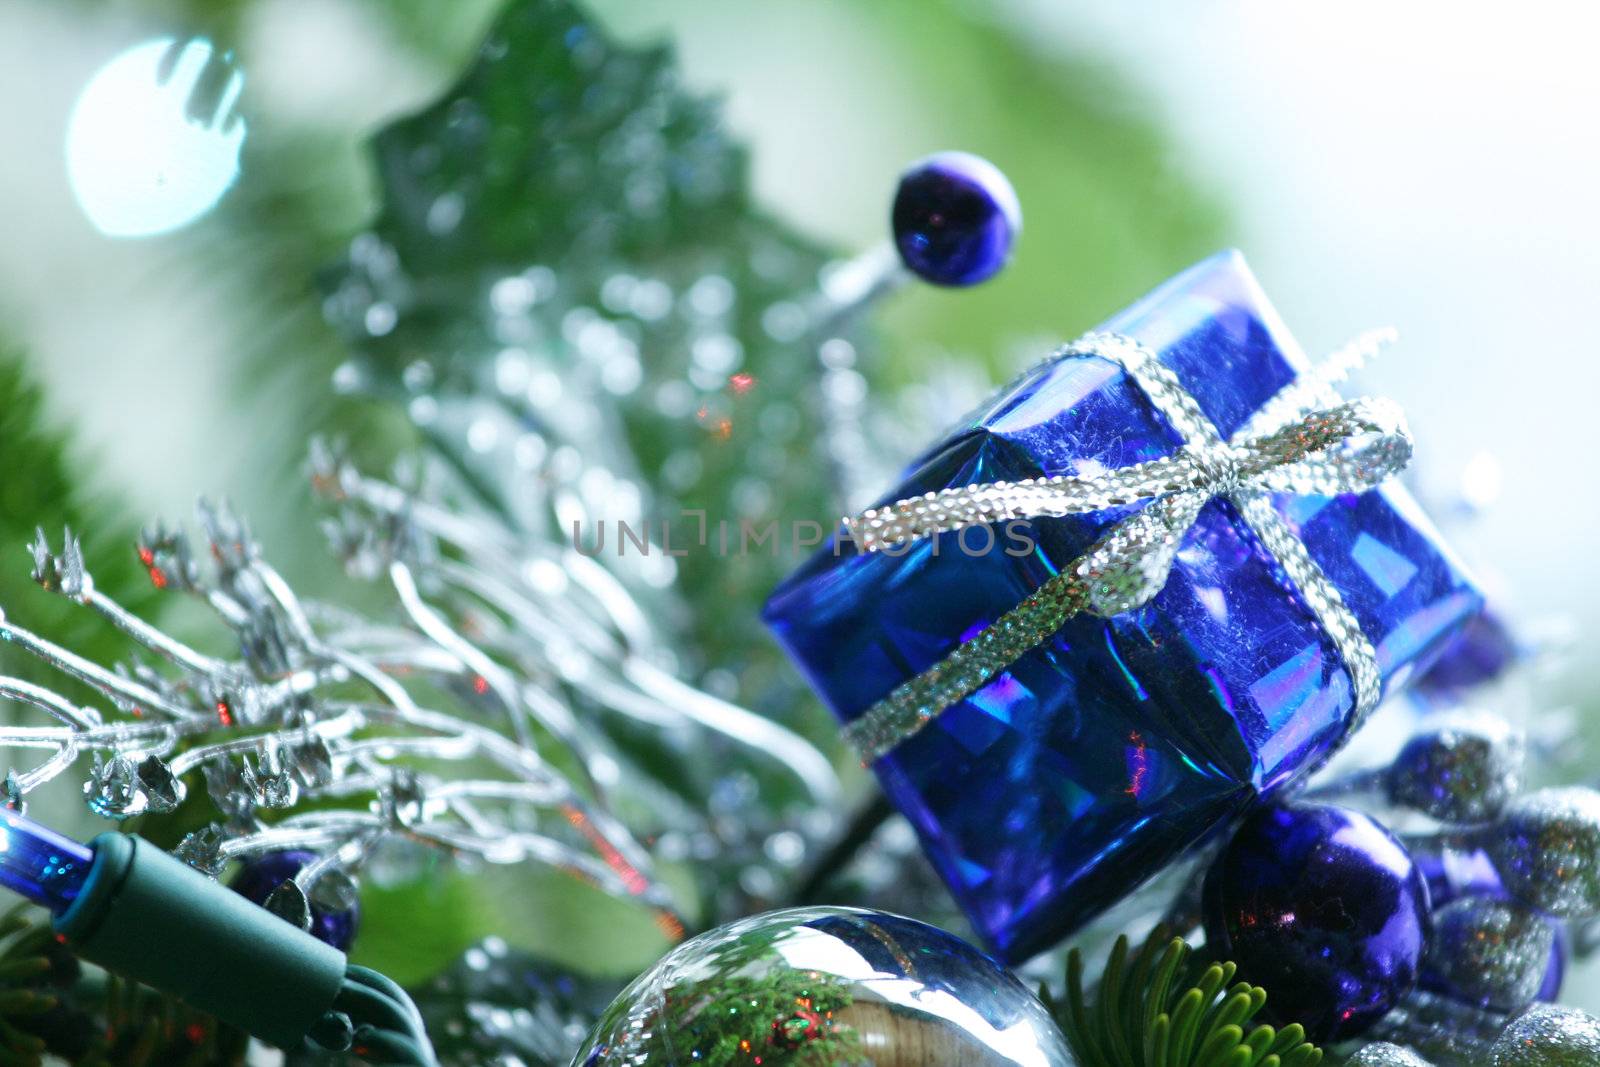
(1456, 874)
(1326, 910)
(264, 873)
(955, 218)
(1462, 767)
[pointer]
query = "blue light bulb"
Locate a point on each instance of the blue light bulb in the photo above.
(40, 864)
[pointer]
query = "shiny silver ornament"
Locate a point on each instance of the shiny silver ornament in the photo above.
(269, 782)
(202, 850)
(1463, 767)
(812, 986)
(163, 791)
(1546, 846)
(1549, 1035)
(289, 903)
(1383, 1054)
(1493, 953)
(113, 789)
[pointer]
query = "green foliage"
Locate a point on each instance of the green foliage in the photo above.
(1110, 206)
(44, 488)
(581, 173)
(742, 1000)
(1161, 1010)
(50, 1005)
(785, 1017)
(27, 967)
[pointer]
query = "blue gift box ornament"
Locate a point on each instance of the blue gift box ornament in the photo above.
(1159, 576)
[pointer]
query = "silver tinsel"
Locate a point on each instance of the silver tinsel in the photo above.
(1384, 1054)
(1550, 1035)
(1463, 767)
(451, 725)
(1546, 846)
(1492, 952)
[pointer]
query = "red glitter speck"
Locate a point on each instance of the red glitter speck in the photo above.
(1139, 761)
(224, 713)
(720, 426)
(741, 383)
(480, 685)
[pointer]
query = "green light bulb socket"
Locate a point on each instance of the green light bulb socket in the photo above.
(148, 917)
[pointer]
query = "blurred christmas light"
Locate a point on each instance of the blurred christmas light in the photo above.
(153, 140)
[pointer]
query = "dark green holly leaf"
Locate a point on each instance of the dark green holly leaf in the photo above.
(568, 232)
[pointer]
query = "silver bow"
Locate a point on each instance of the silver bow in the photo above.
(1290, 446)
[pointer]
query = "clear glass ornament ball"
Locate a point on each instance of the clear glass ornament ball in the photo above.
(826, 987)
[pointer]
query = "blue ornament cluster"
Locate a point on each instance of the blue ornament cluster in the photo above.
(1116, 745)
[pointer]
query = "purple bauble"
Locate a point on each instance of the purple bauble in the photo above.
(1452, 875)
(1323, 908)
(955, 217)
(266, 872)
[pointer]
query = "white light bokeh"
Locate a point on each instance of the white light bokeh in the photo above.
(1428, 166)
(152, 144)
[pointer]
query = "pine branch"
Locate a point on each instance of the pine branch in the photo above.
(51, 1006)
(1159, 1009)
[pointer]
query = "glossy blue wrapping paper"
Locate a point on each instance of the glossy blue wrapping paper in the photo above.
(1102, 755)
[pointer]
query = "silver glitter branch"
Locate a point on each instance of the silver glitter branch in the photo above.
(318, 707)
(326, 731)
(589, 637)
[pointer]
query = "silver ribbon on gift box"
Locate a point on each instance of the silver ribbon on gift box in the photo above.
(1305, 440)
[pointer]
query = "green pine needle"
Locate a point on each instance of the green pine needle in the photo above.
(1155, 1008)
(54, 1011)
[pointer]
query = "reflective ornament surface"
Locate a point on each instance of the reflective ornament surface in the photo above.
(826, 987)
(1460, 768)
(955, 217)
(1546, 847)
(497, 1005)
(1326, 910)
(1550, 1035)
